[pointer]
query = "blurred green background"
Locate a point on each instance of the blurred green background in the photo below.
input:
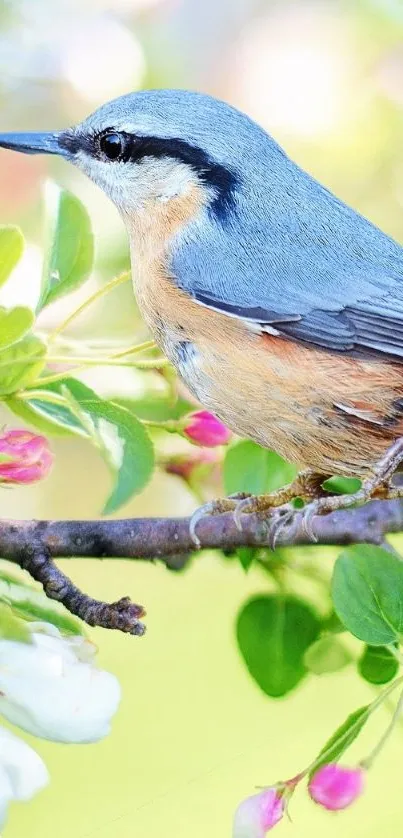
(194, 734)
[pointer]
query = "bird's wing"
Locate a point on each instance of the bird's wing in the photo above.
(349, 328)
(323, 275)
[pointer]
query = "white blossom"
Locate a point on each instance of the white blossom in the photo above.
(52, 688)
(22, 772)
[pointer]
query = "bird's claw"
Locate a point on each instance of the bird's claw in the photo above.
(242, 507)
(201, 512)
(278, 517)
(215, 507)
(283, 517)
(308, 513)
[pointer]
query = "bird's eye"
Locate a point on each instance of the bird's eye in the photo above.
(112, 145)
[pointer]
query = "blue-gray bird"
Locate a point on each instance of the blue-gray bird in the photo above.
(280, 307)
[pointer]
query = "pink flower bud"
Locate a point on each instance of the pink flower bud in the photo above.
(205, 429)
(259, 813)
(335, 787)
(184, 465)
(30, 457)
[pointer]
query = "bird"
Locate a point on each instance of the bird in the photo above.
(280, 306)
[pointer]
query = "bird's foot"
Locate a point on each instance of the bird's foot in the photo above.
(280, 512)
(307, 485)
(379, 485)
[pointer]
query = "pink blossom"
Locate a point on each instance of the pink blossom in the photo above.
(335, 787)
(205, 429)
(30, 457)
(259, 813)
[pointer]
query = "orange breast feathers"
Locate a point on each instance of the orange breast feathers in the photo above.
(322, 410)
(325, 410)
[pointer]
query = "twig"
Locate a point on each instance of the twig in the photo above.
(122, 615)
(34, 544)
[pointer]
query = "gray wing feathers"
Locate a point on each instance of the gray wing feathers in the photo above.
(303, 262)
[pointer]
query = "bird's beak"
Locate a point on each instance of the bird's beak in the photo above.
(34, 143)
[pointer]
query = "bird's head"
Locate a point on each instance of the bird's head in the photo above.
(157, 145)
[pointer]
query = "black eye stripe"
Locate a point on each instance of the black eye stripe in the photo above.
(136, 148)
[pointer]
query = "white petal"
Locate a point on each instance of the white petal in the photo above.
(25, 770)
(56, 700)
(52, 689)
(6, 794)
(28, 659)
(247, 821)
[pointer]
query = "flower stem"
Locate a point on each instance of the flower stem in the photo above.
(345, 736)
(109, 361)
(369, 760)
(105, 289)
(132, 350)
(172, 426)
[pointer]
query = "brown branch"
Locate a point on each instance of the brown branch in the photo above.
(34, 544)
(36, 559)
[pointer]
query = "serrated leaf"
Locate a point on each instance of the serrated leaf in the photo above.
(342, 738)
(11, 627)
(250, 468)
(71, 249)
(14, 324)
(273, 633)
(122, 439)
(21, 364)
(377, 665)
(367, 593)
(326, 655)
(11, 250)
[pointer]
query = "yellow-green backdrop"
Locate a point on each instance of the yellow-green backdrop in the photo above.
(194, 734)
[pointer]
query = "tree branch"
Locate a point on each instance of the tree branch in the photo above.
(34, 544)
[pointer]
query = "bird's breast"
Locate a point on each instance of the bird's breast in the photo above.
(326, 410)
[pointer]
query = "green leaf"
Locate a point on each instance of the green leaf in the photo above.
(21, 364)
(155, 408)
(14, 324)
(49, 418)
(33, 605)
(367, 592)
(246, 556)
(378, 665)
(342, 485)
(11, 249)
(332, 624)
(48, 614)
(11, 628)
(250, 468)
(71, 248)
(10, 578)
(326, 655)
(342, 738)
(273, 633)
(122, 439)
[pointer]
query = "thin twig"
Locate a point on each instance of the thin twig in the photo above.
(122, 615)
